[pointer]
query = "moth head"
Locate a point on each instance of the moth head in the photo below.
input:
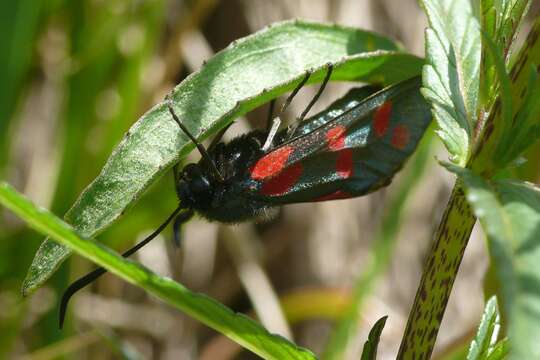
(195, 186)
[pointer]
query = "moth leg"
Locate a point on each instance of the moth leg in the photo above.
(329, 70)
(181, 219)
(294, 92)
(217, 139)
(272, 125)
(271, 134)
(269, 119)
(319, 92)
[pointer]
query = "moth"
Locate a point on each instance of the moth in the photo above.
(352, 148)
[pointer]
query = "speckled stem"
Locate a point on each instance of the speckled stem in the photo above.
(440, 271)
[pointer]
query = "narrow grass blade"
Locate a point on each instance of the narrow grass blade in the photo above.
(238, 327)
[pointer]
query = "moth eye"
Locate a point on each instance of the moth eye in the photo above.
(191, 171)
(200, 185)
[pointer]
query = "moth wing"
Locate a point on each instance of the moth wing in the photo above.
(353, 154)
(348, 101)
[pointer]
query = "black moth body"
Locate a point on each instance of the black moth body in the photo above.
(350, 149)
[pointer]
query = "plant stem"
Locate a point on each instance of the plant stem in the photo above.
(439, 273)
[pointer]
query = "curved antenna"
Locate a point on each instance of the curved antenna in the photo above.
(178, 222)
(92, 276)
(206, 156)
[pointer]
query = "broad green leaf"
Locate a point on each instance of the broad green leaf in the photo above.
(451, 73)
(488, 330)
(500, 22)
(369, 352)
(237, 327)
(505, 135)
(246, 74)
(509, 212)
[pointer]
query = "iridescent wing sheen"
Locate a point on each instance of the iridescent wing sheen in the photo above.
(348, 101)
(352, 154)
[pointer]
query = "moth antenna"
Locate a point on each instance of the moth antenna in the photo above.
(94, 275)
(199, 146)
(178, 222)
(271, 134)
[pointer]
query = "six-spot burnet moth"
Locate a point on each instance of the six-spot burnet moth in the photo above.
(350, 149)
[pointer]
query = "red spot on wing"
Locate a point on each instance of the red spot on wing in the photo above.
(334, 196)
(344, 163)
(336, 137)
(283, 182)
(400, 137)
(382, 118)
(271, 164)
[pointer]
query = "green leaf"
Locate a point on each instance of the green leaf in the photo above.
(451, 74)
(522, 132)
(500, 21)
(245, 75)
(500, 351)
(509, 212)
(506, 136)
(237, 327)
(488, 330)
(369, 351)
(505, 92)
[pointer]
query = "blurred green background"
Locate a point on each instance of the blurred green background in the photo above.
(76, 74)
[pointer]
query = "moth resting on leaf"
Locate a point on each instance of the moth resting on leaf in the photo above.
(350, 149)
